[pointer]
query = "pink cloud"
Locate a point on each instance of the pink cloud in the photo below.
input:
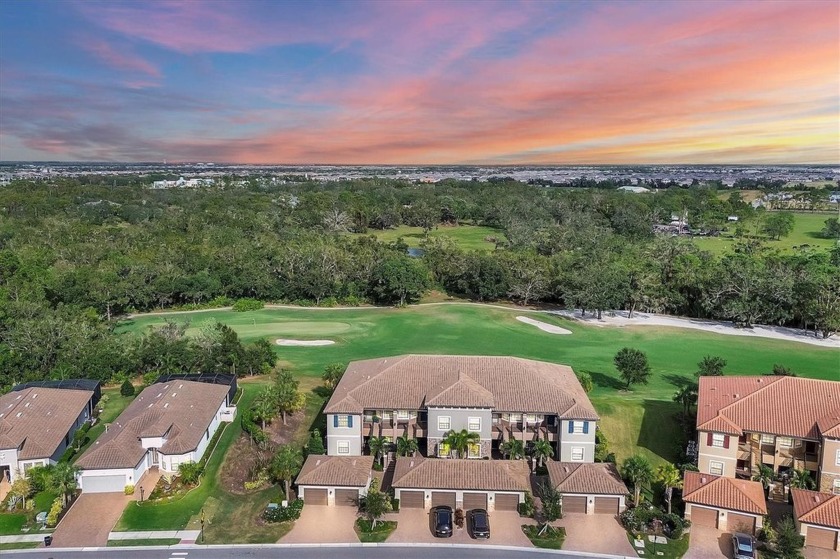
(122, 59)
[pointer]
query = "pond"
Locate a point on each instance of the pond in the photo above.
(415, 252)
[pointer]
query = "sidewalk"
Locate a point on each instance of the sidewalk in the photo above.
(184, 535)
(22, 538)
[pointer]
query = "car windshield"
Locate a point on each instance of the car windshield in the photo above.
(745, 546)
(480, 521)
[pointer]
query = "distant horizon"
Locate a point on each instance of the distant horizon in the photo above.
(233, 163)
(507, 83)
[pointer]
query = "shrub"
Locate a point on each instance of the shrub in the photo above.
(55, 512)
(189, 472)
(459, 518)
(127, 389)
(150, 378)
(316, 443)
(527, 508)
(395, 505)
(282, 514)
(247, 304)
(39, 477)
(129, 489)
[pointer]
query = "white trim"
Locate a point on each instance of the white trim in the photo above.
(448, 422)
(718, 440)
(470, 421)
(582, 453)
(712, 467)
(344, 443)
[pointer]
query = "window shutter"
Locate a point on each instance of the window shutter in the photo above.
(349, 420)
(708, 439)
(335, 421)
(571, 427)
(585, 427)
(725, 441)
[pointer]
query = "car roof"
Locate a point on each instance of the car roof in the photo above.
(742, 537)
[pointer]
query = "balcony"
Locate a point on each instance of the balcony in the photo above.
(506, 430)
(394, 428)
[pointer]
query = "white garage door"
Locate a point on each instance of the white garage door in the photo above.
(103, 484)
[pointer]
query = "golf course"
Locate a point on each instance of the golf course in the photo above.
(640, 420)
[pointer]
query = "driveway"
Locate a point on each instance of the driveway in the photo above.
(414, 526)
(708, 543)
(596, 533)
(322, 524)
(90, 519)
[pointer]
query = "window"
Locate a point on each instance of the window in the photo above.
(577, 426)
(443, 450)
(475, 451)
(531, 418)
(837, 458)
(577, 454)
(343, 421)
(768, 439)
(836, 488)
(716, 468)
(402, 414)
(444, 423)
(474, 424)
(515, 417)
(207, 434)
(785, 442)
(344, 447)
(718, 440)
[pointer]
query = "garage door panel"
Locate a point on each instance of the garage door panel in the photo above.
(475, 501)
(704, 517)
(506, 501)
(411, 499)
(740, 523)
(347, 497)
(443, 498)
(314, 496)
(606, 505)
(822, 538)
(574, 503)
(103, 484)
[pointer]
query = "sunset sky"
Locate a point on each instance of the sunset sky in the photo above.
(421, 82)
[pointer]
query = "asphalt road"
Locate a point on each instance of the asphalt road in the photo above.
(272, 552)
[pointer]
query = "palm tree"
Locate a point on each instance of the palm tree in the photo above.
(461, 441)
(637, 470)
(513, 449)
(63, 480)
(406, 446)
(669, 476)
(765, 476)
(542, 451)
(377, 447)
(264, 408)
(801, 479)
(687, 396)
(285, 465)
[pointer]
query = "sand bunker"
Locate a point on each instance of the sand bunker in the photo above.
(545, 327)
(285, 342)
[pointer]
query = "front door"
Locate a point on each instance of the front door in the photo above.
(5, 473)
(154, 456)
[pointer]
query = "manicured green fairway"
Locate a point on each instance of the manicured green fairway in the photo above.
(806, 231)
(639, 420)
(468, 237)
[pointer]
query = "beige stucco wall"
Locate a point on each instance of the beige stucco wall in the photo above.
(707, 453)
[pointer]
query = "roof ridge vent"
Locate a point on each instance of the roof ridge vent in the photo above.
(318, 462)
(411, 465)
(703, 479)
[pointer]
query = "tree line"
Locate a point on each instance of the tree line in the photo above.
(76, 257)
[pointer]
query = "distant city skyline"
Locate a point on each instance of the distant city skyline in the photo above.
(489, 83)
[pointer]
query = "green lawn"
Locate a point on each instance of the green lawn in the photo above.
(632, 421)
(11, 523)
(153, 541)
(806, 231)
(674, 549)
(468, 237)
(112, 408)
(384, 528)
(185, 512)
(19, 545)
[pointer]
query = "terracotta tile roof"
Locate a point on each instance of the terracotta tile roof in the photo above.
(812, 507)
(597, 479)
(39, 419)
(508, 384)
(342, 471)
(724, 492)
(788, 406)
(829, 425)
(180, 409)
(450, 473)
